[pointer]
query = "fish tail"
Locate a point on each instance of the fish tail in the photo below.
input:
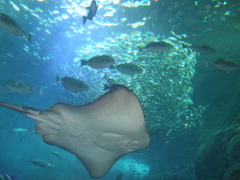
(39, 90)
(106, 87)
(84, 19)
(185, 46)
(112, 67)
(29, 37)
(57, 78)
(83, 62)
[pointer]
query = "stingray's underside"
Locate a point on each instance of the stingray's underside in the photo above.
(98, 133)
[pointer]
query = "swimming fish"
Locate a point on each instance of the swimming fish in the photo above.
(156, 47)
(129, 68)
(202, 49)
(55, 153)
(225, 65)
(11, 26)
(92, 10)
(99, 62)
(115, 86)
(19, 130)
(73, 84)
(4, 176)
(21, 87)
(43, 164)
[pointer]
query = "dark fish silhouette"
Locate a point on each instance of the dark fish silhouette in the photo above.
(107, 87)
(73, 84)
(11, 26)
(20, 87)
(202, 49)
(92, 10)
(43, 164)
(129, 68)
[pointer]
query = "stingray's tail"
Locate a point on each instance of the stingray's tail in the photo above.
(84, 19)
(83, 62)
(106, 87)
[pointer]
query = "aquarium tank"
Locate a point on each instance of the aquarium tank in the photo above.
(119, 90)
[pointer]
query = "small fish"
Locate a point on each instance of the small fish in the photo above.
(115, 86)
(4, 176)
(11, 26)
(99, 62)
(156, 47)
(19, 130)
(119, 176)
(43, 164)
(92, 10)
(55, 153)
(202, 49)
(129, 68)
(21, 87)
(225, 65)
(73, 84)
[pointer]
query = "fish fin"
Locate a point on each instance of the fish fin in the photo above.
(112, 67)
(57, 78)
(29, 37)
(38, 90)
(106, 87)
(84, 19)
(83, 62)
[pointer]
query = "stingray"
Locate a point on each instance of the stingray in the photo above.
(98, 133)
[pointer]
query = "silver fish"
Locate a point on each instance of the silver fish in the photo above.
(19, 130)
(129, 68)
(156, 47)
(11, 26)
(110, 81)
(43, 164)
(73, 84)
(99, 62)
(225, 65)
(202, 49)
(21, 87)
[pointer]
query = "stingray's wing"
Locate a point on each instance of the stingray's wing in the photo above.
(98, 133)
